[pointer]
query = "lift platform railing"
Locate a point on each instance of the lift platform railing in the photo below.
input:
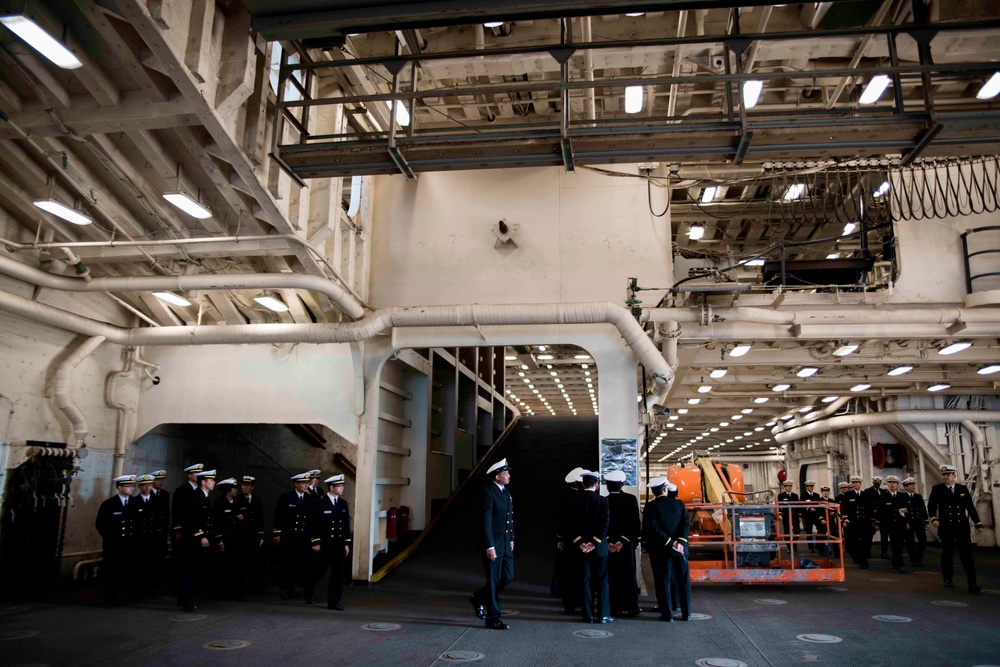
(761, 543)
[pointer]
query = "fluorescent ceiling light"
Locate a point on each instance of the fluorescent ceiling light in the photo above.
(545, 357)
(709, 195)
(682, 411)
(694, 401)
(739, 350)
(492, 24)
(833, 255)
(830, 399)
(170, 297)
(401, 112)
(955, 347)
(635, 14)
(541, 348)
(780, 387)
(704, 389)
(900, 370)
(806, 408)
(751, 93)
(807, 371)
(882, 189)
(582, 356)
(510, 358)
(62, 211)
(849, 228)
(633, 99)
(188, 205)
(874, 89)
(860, 387)
(794, 191)
(844, 350)
(41, 41)
(761, 399)
(271, 303)
(718, 373)
(696, 232)
(753, 262)
(938, 387)
(747, 411)
(989, 370)
(990, 88)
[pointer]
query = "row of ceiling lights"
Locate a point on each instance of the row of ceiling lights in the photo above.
(559, 384)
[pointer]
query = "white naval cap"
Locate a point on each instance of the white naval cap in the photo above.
(315, 473)
(615, 476)
(656, 482)
(159, 474)
(909, 480)
(946, 468)
(892, 478)
(810, 482)
(876, 478)
(671, 487)
(197, 467)
(301, 477)
(228, 480)
(590, 473)
(124, 479)
(497, 467)
(145, 479)
(207, 474)
(334, 479)
(856, 478)
(573, 475)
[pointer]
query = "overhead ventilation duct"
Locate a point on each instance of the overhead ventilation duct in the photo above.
(61, 388)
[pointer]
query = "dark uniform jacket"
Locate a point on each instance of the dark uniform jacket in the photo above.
(918, 510)
(664, 522)
(496, 519)
(332, 526)
(230, 519)
(625, 525)
(114, 523)
(563, 513)
(182, 505)
(200, 520)
(162, 499)
(890, 514)
(872, 498)
(292, 517)
(145, 516)
(853, 507)
(950, 508)
(254, 515)
(588, 522)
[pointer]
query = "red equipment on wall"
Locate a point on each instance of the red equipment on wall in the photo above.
(390, 524)
(403, 524)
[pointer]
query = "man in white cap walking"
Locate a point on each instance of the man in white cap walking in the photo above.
(332, 540)
(114, 523)
(496, 545)
(293, 515)
(950, 506)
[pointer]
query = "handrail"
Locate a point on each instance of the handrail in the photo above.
(346, 464)
(398, 559)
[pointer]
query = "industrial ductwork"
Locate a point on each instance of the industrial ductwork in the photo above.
(882, 418)
(61, 388)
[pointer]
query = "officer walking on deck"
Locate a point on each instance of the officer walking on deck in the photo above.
(950, 506)
(496, 544)
(624, 531)
(254, 547)
(292, 534)
(895, 520)
(332, 540)
(199, 536)
(857, 523)
(114, 524)
(916, 535)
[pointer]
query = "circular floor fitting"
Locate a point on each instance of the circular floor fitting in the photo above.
(720, 662)
(700, 617)
(593, 634)
(889, 618)
(381, 627)
(770, 601)
(461, 656)
(949, 603)
(18, 634)
(226, 644)
(820, 639)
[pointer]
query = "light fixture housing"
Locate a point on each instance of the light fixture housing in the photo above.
(957, 346)
(170, 297)
(751, 92)
(882, 189)
(740, 350)
(633, 99)
(62, 211)
(873, 91)
(794, 191)
(492, 24)
(401, 112)
(708, 196)
(830, 399)
(694, 401)
(990, 88)
(849, 228)
(938, 387)
(845, 350)
(757, 261)
(704, 389)
(781, 387)
(271, 302)
(188, 205)
(807, 371)
(718, 373)
(41, 41)
(545, 357)
(761, 399)
(900, 370)
(989, 370)
(696, 232)
(860, 387)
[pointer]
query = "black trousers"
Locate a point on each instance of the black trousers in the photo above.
(682, 583)
(568, 571)
(894, 536)
(621, 580)
(145, 559)
(663, 575)
(294, 563)
(195, 562)
(331, 556)
(916, 543)
(499, 573)
(116, 571)
(855, 536)
(254, 561)
(959, 540)
(594, 578)
(231, 563)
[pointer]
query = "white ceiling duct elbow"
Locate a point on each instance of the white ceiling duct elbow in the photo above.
(61, 388)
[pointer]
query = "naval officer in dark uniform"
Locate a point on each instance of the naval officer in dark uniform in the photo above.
(566, 565)
(664, 535)
(624, 531)
(916, 535)
(790, 515)
(161, 500)
(950, 507)
(857, 522)
(588, 542)
(293, 514)
(179, 512)
(114, 523)
(496, 544)
(230, 526)
(145, 538)
(332, 539)
(199, 535)
(254, 531)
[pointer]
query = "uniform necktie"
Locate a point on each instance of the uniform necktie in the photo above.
(334, 502)
(952, 489)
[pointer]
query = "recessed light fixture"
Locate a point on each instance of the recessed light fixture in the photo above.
(718, 373)
(991, 88)
(736, 417)
(873, 91)
(739, 350)
(694, 401)
(509, 358)
(582, 356)
(761, 399)
(188, 205)
(830, 399)
(62, 211)
(938, 387)
(900, 370)
(704, 389)
(807, 371)
(709, 194)
(635, 14)
(492, 24)
(758, 261)
(781, 387)
(633, 99)
(545, 357)
(751, 92)
(170, 297)
(746, 411)
(957, 346)
(806, 408)
(833, 255)
(271, 303)
(696, 232)
(860, 387)
(682, 411)
(41, 41)
(844, 350)
(989, 370)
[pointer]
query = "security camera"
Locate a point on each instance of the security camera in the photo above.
(156, 380)
(718, 62)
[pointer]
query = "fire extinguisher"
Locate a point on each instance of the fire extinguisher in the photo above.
(390, 524)
(404, 520)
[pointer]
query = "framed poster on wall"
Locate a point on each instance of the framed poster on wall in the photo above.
(620, 454)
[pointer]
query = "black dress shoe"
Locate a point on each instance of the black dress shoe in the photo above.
(666, 618)
(336, 607)
(974, 588)
(587, 620)
(604, 619)
(496, 625)
(684, 617)
(478, 607)
(948, 584)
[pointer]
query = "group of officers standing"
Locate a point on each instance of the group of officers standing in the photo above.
(215, 545)
(900, 516)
